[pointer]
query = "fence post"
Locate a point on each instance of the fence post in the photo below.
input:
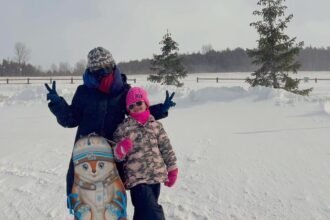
(134, 80)
(217, 79)
(71, 80)
(7, 81)
(315, 80)
(197, 79)
(28, 80)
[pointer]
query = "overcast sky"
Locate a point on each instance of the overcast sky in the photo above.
(65, 30)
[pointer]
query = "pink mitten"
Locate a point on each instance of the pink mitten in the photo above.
(122, 148)
(172, 176)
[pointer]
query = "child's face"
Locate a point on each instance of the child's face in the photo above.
(137, 107)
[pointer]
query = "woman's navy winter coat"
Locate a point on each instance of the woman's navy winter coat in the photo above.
(94, 111)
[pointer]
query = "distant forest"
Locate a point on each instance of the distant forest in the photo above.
(236, 60)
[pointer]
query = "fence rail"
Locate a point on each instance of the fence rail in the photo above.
(217, 79)
(31, 80)
(72, 80)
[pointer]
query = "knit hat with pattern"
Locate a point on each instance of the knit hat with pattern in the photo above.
(99, 58)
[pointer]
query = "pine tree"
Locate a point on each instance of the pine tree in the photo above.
(167, 67)
(276, 52)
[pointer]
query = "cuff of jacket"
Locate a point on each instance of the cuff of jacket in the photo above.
(172, 168)
(156, 111)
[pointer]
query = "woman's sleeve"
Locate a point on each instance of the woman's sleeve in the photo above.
(166, 149)
(156, 111)
(68, 115)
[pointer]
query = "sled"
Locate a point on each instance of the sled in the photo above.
(98, 192)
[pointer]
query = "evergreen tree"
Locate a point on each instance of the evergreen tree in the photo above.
(276, 52)
(167, 67)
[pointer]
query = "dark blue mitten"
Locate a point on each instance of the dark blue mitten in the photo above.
(52, 94)
(168, 103)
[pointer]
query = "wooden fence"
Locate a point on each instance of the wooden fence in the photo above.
(33, 80)
(72, 80)
(218, 79)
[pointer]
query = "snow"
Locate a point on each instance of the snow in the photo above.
(243, 153)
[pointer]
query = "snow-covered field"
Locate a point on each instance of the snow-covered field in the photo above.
(243, 153)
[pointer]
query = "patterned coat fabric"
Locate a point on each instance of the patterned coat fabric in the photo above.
(152, 154)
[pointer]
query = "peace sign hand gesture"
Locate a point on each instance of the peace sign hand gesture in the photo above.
(52, 94)
(168, 103)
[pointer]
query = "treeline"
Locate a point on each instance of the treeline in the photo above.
(212, 61)
(315, 59)
(13, 68)
(236, 60)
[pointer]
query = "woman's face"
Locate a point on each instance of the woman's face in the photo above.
(137, 107)
(101, 73)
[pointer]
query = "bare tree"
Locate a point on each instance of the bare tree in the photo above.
(206, 48)
(53, 69)
(64, 68)
(22, 53)
(80, 67)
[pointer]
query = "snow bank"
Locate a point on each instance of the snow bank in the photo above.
(185, 96)
(243, 153)
(327, 107)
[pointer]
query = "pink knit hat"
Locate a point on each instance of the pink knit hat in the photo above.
(136, 94)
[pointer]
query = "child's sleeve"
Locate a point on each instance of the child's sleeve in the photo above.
(166, 149)
(118, 135)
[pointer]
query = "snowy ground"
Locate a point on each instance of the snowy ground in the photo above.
(243, 153)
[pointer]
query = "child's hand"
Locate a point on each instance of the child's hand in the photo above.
(172, 176)
(123, 148)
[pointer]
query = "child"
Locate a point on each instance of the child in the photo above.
(148, 156)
